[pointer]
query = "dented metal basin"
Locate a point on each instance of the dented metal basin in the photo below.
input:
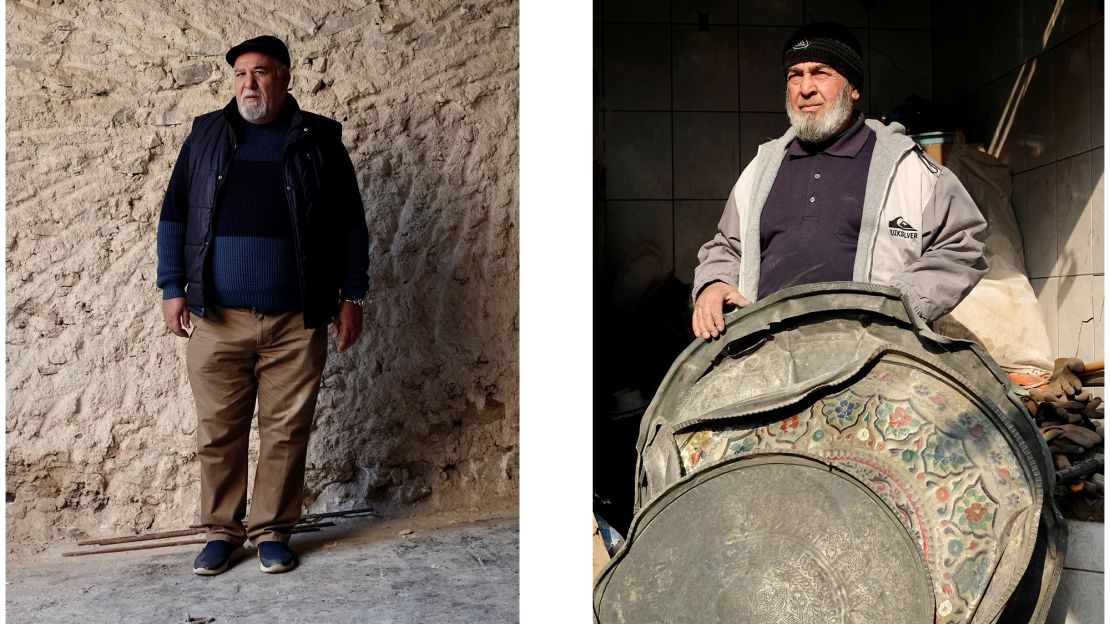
(831, 459)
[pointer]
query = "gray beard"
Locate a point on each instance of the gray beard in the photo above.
(813, 129)
(252, 114)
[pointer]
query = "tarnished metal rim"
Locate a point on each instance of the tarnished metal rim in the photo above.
(692, 363)
(885, 302)
(1012, 438)
(697, 359)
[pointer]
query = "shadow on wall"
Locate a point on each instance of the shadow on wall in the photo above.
(1037, 105)
(399, 422)
(424, 409)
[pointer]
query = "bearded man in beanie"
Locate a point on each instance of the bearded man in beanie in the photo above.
(839, 198)
(262, 242)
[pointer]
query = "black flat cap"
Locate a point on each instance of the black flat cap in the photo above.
(828, 43)
(266, 44)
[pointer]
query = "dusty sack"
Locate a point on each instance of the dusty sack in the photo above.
(1001, 312)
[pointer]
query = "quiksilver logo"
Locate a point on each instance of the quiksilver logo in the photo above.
(801, 45)
(901, 228)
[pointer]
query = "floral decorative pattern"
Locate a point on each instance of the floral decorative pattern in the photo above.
(789, 429)
(928, 456)
(944, 456)
(896, 420)
(970, 577)
(974, 511)
(743, 444)
(842, 411)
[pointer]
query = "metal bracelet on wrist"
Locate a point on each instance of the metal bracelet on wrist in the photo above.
(361, 303)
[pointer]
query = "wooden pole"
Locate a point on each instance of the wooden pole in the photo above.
(163, 535)
(79, 553)
(140, 538)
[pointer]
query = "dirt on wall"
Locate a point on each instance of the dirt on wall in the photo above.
(422, 413)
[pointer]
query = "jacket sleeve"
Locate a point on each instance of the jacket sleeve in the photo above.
(171, 229)
(719, 259)
(952, 260)
(354, 239)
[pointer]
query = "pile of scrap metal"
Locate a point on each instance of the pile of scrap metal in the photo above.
(1070, 418)
(832, 459)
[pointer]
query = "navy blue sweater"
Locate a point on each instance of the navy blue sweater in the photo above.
(253, 261)
(254, 264)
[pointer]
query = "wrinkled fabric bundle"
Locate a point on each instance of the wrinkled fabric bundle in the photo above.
(1001, 312)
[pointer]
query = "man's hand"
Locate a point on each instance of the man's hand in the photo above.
(175, 313)
(709, 317)
(347, 325)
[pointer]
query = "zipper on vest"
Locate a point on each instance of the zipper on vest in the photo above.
(297, 248)
(220, 178)
(297, 133)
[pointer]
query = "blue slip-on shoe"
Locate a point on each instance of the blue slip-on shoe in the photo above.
(216, 556)
(274, 557)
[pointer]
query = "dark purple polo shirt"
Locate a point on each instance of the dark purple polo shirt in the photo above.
(809, 227)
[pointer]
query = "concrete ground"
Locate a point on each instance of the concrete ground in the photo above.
(360, 570)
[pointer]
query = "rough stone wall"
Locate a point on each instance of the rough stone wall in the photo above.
(100, 95)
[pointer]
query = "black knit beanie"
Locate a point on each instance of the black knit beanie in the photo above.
(828, 43)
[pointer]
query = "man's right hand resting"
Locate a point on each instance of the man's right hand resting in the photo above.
(709, 315)
(175, 313)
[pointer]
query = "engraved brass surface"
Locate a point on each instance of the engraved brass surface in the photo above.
(771, 540)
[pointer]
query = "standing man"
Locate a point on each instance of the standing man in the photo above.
(262, 242)
(839, 198)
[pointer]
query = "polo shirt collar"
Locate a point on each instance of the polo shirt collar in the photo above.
(847, 145)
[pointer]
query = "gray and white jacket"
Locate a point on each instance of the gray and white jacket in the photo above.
(920, 232)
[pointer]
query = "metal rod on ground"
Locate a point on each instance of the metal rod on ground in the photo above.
(333, 514)
(140, 538)
(316, 516)
(296, 529)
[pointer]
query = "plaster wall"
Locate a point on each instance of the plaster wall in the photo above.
(423, 411)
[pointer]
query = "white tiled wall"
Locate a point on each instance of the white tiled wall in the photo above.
(687, 90)
(1079, 596)
(1054, 142)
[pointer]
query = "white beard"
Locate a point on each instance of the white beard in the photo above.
(814, 128)
(252, 112)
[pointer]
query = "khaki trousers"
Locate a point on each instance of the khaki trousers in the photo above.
(235, 357)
